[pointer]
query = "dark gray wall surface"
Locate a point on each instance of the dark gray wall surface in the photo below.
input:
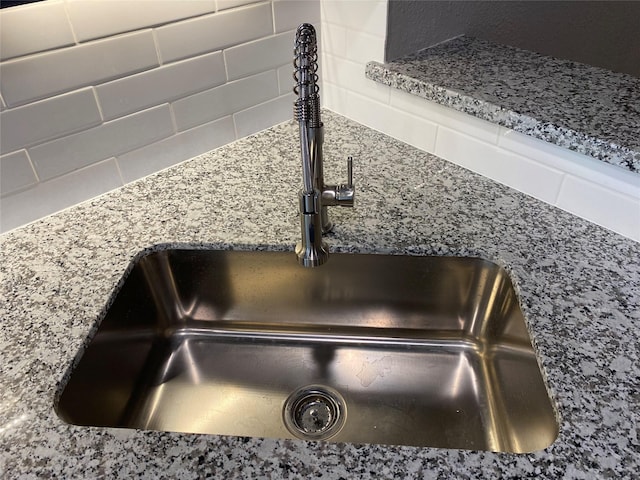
(604, 33)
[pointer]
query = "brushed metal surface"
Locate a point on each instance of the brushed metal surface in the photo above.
(425, 351)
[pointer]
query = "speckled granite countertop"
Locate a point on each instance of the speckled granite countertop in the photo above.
(579, 285)
(590, 110)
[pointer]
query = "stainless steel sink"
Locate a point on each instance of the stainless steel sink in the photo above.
(426, 351)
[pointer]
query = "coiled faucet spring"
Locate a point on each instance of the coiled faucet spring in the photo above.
(305, 74)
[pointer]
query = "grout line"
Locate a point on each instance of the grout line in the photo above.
(73, 30)
(17, 191)
(33, 168)
(355, 62)
(67, 206)
(351, 29)
(273, 17)
(226, 68)
(97, 99)
(270, 100)
(235, 125)
(156, 45)
(278, 82)
(174, 122)
(117, 162)
(350, 59)
(560, 187)
(575, 164)
(435, 138)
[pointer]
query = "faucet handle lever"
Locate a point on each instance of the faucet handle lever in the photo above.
(345, 193)
(342, 194)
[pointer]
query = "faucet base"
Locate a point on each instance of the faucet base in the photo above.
(314, 257)
(312, 251)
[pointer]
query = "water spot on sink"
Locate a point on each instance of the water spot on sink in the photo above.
(372, 370)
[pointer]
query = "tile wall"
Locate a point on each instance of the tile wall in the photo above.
(354, 33)
(98, 93)
(93, 98)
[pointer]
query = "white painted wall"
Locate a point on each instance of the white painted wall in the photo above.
(97, 93)
(354, 33)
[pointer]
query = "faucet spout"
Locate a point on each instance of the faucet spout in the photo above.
(315, 196)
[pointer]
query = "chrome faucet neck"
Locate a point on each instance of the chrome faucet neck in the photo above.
(315, 196)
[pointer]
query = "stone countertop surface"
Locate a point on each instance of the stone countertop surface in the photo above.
(586, 109)
(579, 286)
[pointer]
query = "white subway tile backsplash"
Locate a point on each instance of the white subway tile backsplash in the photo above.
(16, 172)
(364, 47)
(153, 87)
(41, 75)
(34, 28)
(107, 140)
(285, 79)
(225, 100)
(334, 40)
(288, 14)
(334, 97)
(412, 130)
(175, 149)
(80, 89)
(579, 165)
(340, 71)
(367, 16)
(264, 116)
(102, 18)
(610, 209)
(462, 122)
(507, 168)
(214, 32)
(408, 128)
(225, 4)
(49, 197)
(47, 119)
(260, 55)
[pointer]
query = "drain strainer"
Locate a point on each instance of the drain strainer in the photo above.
(314, 412)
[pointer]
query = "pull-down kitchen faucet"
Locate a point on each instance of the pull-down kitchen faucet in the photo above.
(315, 196)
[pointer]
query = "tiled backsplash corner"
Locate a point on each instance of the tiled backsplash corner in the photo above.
(93, 97)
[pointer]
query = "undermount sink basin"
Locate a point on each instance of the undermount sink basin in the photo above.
(424, 351)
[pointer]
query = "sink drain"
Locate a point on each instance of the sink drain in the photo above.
(314, 412)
